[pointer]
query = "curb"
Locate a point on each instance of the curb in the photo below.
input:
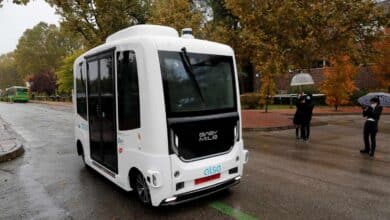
(62, 104)
(14, 148)
(344, 113)
(16, 152)
(280, 128)
(335, 114)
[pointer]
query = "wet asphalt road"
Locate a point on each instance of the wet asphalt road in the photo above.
(285, 178)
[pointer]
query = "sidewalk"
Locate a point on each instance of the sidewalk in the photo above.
(10, 144)
(258, 120)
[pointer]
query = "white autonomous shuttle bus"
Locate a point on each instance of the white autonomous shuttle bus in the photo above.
(160, 114)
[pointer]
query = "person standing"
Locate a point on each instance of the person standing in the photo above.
(298, 117)
(307, 116)
(372, 113)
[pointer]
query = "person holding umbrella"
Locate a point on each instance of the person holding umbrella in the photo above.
(308, 114)
(372, 112)
(299, 115)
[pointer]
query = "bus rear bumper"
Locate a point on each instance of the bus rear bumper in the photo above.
(199, 193)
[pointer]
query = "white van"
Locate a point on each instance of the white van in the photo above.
(160, 114)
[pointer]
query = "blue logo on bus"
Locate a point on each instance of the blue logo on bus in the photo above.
(83, 126)
(212, 170)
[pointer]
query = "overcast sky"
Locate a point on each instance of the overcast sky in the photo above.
(15, 19)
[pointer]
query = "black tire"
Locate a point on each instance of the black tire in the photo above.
(142, 189)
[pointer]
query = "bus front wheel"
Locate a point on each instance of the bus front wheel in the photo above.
(141, 188)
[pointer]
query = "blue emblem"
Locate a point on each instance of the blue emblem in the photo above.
(212, 170)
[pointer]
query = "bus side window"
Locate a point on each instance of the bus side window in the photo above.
(81, 92)
(128, 91)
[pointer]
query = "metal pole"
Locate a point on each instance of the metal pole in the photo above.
(266, 100)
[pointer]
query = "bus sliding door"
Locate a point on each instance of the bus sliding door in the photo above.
(101, 105)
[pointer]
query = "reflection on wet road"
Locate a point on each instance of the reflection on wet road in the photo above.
(285, 178)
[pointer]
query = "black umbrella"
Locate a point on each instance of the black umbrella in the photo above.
(384, 98)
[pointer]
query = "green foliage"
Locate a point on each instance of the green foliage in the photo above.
(41, 49)
(65, 73)
(95, 20)
(8, 75)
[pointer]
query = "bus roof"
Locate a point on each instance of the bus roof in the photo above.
(17, 87)
(163, 38)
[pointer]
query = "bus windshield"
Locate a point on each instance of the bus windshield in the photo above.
(196, 84)
(21, 90)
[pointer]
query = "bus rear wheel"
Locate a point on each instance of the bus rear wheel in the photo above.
(142, 189)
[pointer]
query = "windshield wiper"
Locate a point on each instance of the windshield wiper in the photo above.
(187, 65)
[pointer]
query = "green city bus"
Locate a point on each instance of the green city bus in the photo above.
(17, 94)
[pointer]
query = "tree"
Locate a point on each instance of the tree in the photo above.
(291, 34)
(224, 27)
(381, 68)
(44, 82)
(65, 73)
(269, 70)
(8, 75)
(339, 85)
(16, 2)
(178, 14)
(95, 20)
(41, 49)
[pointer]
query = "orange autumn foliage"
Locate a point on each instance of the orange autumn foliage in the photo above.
(338, 84)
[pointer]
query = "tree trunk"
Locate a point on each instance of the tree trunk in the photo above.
(267, 97)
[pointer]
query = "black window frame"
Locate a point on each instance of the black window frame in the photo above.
(128, 120)
(80, 75)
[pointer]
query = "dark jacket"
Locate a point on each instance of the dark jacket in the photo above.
(370, 112)
(299, 114)
(308, 112)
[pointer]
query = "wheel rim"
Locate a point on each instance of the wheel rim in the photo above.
(142, 189)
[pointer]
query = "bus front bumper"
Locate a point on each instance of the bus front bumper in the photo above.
(199, 193)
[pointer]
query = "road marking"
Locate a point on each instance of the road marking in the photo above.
(227, 210)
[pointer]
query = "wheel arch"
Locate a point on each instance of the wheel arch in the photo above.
(132, 174)
(80, 149)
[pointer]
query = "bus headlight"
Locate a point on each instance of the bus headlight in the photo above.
(171, 199)
(156, 179)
